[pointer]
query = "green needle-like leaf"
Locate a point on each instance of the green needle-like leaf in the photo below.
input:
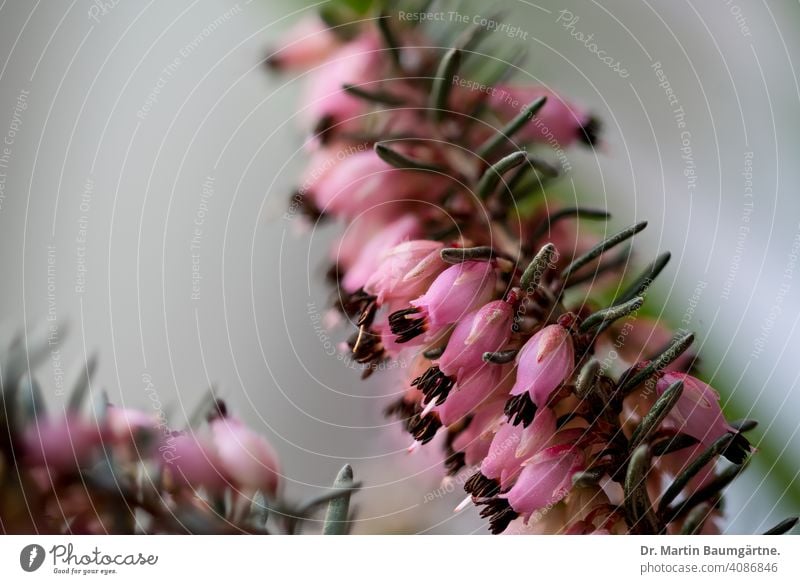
(675, 350)
(712, 490)
(673, 444)
(379, 97)
(783, 527)
(588, 478)
(656, 415)
(31, 401)
(81, 386)
(638, 508)
(691, 471)
(336, 519)
(602, 247)
(643, 281)
(394, 158)
(488, 182)
(695, 520)
(442, 84)
(308, 506)
(457, 255)
(587, 377)
(532, 275)
(259, 510)
(509, 130)
(577, 212)
(500, 357)
(388, 38)
(610, 314)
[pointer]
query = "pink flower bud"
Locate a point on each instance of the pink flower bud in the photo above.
(246, 458)
(346, 250)
(362, 181)
(485, 330)
(127, 426)
(192, 461)
(304, 45)
(405, 271)
(544, 362)
(132, 433)
(369, 259)
(355, 63)
(545, 479)
(63, 443)
(559, 123)
(697, 412)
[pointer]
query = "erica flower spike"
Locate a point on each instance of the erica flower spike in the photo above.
(465, 271)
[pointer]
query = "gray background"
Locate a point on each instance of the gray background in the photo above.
(82, 159)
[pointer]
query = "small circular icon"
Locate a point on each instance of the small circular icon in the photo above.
(31, 557)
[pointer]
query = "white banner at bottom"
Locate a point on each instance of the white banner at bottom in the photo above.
(372, 559)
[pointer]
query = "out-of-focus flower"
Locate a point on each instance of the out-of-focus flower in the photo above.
(63, 442)
(192, 461)
(356, 63)
(362, 181)
(245, 457)
(372, 254)
(304, 45)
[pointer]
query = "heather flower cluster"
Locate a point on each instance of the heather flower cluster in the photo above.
(92, 467)
(534, 368)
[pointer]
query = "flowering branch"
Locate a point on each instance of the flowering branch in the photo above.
(567, 416)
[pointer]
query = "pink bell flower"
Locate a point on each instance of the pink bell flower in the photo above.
(405, 271)
(486, 330)
(543, 363)
(545, 479)
(474, 389)
(456, 292)
(369, 259)
(697, 412)
(475, 441)
(512, 445)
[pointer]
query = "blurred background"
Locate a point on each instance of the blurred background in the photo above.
(145, 169)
